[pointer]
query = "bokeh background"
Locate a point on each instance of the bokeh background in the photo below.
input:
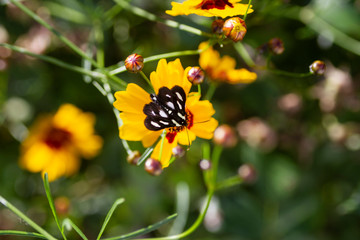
(302, 135)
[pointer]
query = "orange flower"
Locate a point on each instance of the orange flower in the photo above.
(223, 68)
(209, 8)
(56, 142)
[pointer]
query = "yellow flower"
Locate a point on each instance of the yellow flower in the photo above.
(209, 8)
(145, 116)
(223, 68)
(56, 142)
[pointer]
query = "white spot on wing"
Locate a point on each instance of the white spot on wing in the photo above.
(176, 123)
(181, 116)
(179, 96)
(180, 107)
(155, 124)
(167, 95)
(170, 105)
(163, 114)
(163, 122)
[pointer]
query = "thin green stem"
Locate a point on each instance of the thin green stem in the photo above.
(54, 61)
(193, 227)
(229, 182)
(162, 144)
(39, 229)
(170, 23)
(50, 28)
(199, 89)
(158, 57)
(99, 38)
(239, 47)
(215, 158)
(68, 224)
(245, 15)
(210, 92)
(21, 234)
(290, 74)
(147, 80)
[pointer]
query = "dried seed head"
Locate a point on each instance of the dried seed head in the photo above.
(133, 157)
(276, 46)
(153, 167)
(235, 29)
(248, 173)
(318, 67)
(225, 135)
(178, 151)
(217, 26)
(134, 63)
(205, 164)
(196, 75)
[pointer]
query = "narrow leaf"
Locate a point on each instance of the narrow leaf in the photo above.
(145, 230)
(21, 234)
(108, 216)
(68, 223)
(145, 155)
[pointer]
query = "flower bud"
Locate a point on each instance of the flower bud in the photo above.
(133, 157)
(134, 63)
(248, 173)
(205, 164)
(178, 151)
(196, 75)
(153, 167)
(217, 26)
(276, 46)
(225, 135)
(235, 29)
(318, 67)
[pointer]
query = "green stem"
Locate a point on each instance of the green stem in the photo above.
(244, 54)
(170, 23)
(99, 38)
(210, 92)
(147, 80)
(290, 74)
(193, 227)
(245, 15)
(26, 219)
(215, 163)
(50, 28)
(21, 234)
(232, 181)
(199, 89)
(158, 57)
(54, 61)
(162, 144)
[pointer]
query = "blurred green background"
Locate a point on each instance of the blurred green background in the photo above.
(302, 135)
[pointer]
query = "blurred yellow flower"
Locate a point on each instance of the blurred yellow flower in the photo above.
(209, 8)
(222, 69)
(56, 142)
(182, 115)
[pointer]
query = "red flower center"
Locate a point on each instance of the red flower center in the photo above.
(210, 4)
(171, 134)
(56, 138)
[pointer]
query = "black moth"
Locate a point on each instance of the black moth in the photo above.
(167, 109)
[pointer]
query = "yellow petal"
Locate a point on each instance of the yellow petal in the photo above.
(201, 110)
(205, 129)
(241, 76)
(132, 100)
(133, 128)
(166, 153)
(186, 137)
(150, 138)
(36, 157)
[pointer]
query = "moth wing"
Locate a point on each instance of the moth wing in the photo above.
(156, 118)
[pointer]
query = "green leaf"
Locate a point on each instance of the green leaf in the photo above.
(145, 155)
(66, 13)
(51, 203)
(70, 224)
(21, 234)
(108, 216)
(145, 230)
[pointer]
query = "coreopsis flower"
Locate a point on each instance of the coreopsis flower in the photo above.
(222, 69)
(209, 8)
(56, 142)
(171, 108)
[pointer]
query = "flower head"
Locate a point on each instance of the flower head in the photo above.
(209, 8)
(171, 108)
(56, 142)
(223, 68)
